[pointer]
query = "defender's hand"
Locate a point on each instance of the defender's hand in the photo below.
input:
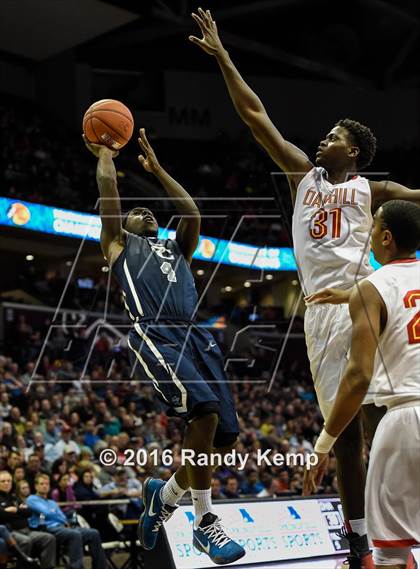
(313, 477)
(210, 42)
(149, 162)
(99, 149)
(328, 296)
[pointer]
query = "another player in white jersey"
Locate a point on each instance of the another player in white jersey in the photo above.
(385, 351)
(333, 215)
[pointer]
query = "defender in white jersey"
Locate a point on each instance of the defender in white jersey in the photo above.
(385, 351)
(324, 241)
(331, 250)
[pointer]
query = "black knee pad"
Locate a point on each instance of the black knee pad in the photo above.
(224, 439)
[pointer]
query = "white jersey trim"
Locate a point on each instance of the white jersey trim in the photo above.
(166, 366)
(146, 369)
(133, 289)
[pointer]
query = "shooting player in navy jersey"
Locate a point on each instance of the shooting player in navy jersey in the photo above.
(182, 361)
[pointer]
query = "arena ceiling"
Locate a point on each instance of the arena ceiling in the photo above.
(357, 42)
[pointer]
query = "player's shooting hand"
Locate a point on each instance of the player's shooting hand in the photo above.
(99, 149)
(313, 477)
(210, 42)
(149, 161)
(328, 296)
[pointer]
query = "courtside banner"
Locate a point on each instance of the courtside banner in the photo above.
(273, 530)
(68, 223)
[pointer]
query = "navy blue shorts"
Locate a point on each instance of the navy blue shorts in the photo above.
(186, 368)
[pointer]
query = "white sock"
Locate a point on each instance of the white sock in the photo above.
(359, 526)
(172, 492)
(202, 504)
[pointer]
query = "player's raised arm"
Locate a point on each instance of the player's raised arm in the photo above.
(366, 310)
(188, 230)
(112, 238)
(249, 106)
(385, 191)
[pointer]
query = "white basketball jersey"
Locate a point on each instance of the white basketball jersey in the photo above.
(331, 231)
(396, 377)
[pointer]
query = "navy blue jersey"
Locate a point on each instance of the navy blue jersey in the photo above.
(156, 279)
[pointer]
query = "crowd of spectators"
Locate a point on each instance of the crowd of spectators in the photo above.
(54, 420)
(92, 292)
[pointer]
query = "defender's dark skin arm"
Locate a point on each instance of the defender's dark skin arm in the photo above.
(188, 230)
(112, 234)
(293, 161)
(384, 191)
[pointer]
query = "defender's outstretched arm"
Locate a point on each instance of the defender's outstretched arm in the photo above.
(248, 105)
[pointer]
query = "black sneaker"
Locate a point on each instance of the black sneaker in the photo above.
(360, 556)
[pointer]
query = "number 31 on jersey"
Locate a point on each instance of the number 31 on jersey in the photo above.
(326, 222)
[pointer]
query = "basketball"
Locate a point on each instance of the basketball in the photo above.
(108, 122)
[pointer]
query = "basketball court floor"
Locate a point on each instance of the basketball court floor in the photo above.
(320, 563)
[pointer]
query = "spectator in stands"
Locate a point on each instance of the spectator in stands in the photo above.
(65, 443)
(23, 490)
(124, 487)
(18, 474)
(51, 434)
(267, 487)
(47, 512)
(59, 467)
(17, 421)
(283, 479)
(4, 552)
(8, 437)
(252, 485)
(33, 468)
(23, 541)
(9, 546)
(5, 405)
(14, 460)
(216, 489)
(231, 489)
(91, 434)
(84, 490)
(63, 492)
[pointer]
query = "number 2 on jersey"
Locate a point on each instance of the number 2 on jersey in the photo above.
(413, 327)
(319, 223)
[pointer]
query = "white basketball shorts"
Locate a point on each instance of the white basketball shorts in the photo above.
(328, 329)
(393, 481)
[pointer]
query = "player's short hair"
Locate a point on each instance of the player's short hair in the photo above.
(402, 218)
(363, 138)
(126, 215)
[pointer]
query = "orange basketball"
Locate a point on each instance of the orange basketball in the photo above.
(108, 122)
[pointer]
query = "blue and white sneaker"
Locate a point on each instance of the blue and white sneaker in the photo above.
(156, 512)
(211, 538)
